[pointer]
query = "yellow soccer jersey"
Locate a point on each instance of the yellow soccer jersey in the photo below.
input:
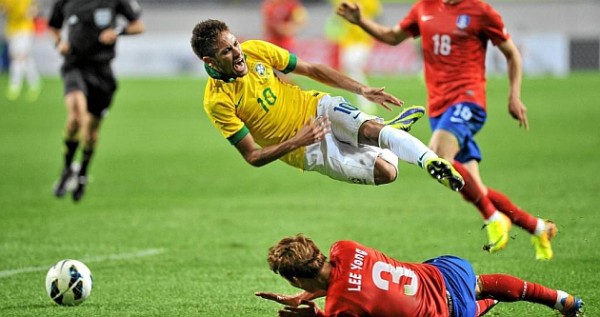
(259, 103)
(19, 17)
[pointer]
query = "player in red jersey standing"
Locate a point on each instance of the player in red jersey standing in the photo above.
(362, 281)
(454, 36)
(281, 21)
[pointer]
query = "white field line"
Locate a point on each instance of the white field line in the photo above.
(110, 257)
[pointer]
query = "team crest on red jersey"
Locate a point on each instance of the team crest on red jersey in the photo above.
(462, 21)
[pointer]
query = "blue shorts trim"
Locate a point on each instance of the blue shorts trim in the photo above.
(463, 120)
(460, 282)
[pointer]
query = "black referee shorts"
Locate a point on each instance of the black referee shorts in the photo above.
(96, 81)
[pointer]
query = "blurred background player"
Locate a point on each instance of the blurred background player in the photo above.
(282, 20)
(20, 27)
(454, 36)
(89, 84)
(362, 281)
(354, 45)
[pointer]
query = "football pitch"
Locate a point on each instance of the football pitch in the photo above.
(175, 223)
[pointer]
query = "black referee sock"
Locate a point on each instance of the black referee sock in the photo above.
(70, 149)
(85, 161)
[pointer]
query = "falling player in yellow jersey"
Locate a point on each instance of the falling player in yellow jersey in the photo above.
(19, 15)
(307, 129)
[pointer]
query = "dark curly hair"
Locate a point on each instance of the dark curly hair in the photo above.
(205, 36)
(296, 256)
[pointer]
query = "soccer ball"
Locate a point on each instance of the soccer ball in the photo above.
(69, 282)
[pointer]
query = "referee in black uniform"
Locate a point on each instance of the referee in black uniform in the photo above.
(85, 33)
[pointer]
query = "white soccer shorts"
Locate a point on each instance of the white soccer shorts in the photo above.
(339, 155)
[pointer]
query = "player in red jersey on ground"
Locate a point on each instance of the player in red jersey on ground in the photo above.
(454, 36)
(362, 281)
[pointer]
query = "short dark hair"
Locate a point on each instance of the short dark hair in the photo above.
(205, 36)
(296, 256)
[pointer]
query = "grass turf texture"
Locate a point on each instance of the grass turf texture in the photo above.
(163, 178)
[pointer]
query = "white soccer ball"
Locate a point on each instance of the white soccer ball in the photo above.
(69, 282)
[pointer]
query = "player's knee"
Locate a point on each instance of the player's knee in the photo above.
(73, 124)
(368, 133)
(384, 172)
(444, 144)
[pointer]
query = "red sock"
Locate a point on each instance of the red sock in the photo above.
(507, 288)
(517, 215)
(473, 194)
(484, 306)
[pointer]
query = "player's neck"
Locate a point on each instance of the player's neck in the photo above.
(218, 75)
(324, 275)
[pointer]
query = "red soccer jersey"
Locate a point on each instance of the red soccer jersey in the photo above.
(454, 40)
(365, 282)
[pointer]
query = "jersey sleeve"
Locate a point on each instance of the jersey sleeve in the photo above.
(493, 26)
(410, 23)
(279, 58)
(56, 16)
(130, 9)
(221, 113)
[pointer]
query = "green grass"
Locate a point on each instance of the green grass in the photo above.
(164, 179)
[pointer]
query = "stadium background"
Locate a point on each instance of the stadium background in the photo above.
(175, 223)
(555, 37)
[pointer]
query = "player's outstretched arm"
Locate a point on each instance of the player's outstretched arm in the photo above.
(313, 131)
(307, 309)
(331, 77)
(380, 97)
(389, 35)
(291, 300)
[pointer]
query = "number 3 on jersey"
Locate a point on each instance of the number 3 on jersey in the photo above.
(269, 99)
(384, 273)
(442, 44)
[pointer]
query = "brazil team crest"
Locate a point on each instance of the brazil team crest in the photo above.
(260, 69)
(463, 21)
